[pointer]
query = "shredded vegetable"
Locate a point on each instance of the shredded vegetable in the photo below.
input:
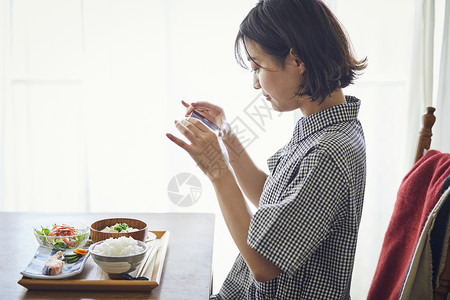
(61, 236)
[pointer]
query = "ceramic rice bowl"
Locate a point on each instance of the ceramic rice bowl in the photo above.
(116, 265)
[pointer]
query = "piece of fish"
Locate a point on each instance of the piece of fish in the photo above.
(54, 264)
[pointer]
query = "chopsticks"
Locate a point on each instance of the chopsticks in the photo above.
(149, 258)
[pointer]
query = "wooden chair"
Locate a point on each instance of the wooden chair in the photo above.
(426, 133)
(443, 283)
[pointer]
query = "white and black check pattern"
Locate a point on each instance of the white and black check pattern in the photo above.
(309, 213)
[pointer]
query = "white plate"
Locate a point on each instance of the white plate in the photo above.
(150, 237)
(34, 268)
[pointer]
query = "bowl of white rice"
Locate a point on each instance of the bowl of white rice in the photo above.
(118, 255)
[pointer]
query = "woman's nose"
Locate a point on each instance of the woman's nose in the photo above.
(256, 84)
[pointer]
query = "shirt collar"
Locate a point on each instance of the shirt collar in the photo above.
(333, 115)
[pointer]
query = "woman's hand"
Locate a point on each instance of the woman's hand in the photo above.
(204, 147)
(210, 111)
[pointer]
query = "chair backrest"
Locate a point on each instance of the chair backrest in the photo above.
(443, 284)
(425, 134)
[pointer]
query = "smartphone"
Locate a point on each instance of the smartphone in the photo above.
(207, 122)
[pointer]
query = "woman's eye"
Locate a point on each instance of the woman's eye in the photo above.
(255, 70)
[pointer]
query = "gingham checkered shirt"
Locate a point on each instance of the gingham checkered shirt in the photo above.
(309, 212)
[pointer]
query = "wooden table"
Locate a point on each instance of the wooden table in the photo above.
(187, 269)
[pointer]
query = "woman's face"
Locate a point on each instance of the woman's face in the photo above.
(279, 84)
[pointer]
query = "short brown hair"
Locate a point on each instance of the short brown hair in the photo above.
(311, 30)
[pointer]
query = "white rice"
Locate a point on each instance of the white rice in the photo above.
(122, 246)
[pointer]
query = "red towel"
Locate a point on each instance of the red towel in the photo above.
(418, 194)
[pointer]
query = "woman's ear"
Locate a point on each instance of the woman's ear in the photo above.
(297, 61)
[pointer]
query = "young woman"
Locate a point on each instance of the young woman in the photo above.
(300, 243)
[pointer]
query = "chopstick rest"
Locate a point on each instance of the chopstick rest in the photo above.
(127, 276)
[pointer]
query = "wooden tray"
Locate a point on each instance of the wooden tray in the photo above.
(94, 279)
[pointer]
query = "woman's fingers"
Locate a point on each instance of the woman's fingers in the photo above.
(197, 133)
(187, 129)
(192, 129)
(206, 108)
(198, 124)
(185, 103)
(189, 107)
(178, 141)
(203, 143)
(205, 105)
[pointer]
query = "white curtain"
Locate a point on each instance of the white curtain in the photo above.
(430, 69)
(441, 136)
(421, 74)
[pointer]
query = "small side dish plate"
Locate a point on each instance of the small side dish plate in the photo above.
(150, 237)
(34, 268)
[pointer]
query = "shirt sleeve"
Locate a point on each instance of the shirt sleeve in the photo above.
(288, 232)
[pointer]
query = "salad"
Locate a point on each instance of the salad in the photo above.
(61, 236)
